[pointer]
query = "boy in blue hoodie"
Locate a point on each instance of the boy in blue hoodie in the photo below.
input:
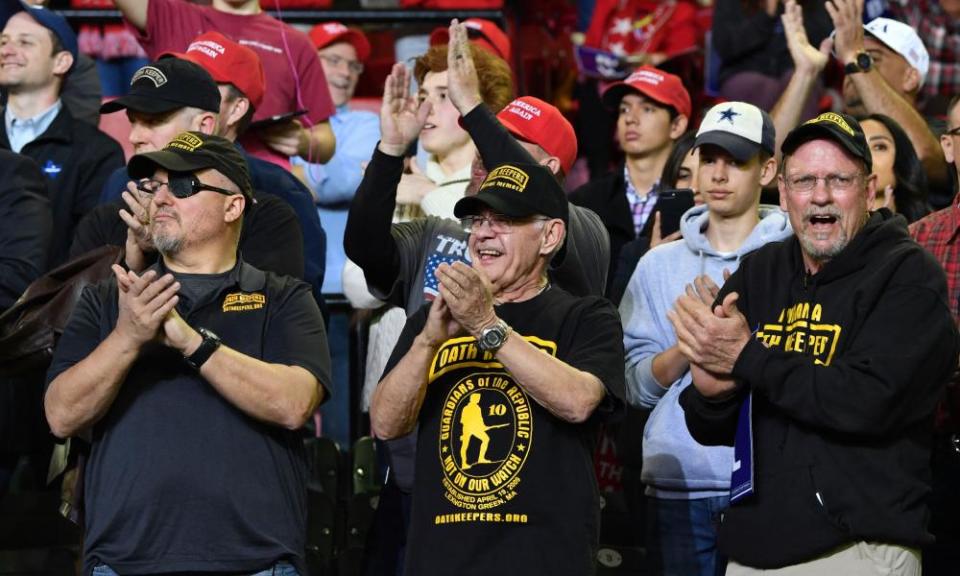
(687, 483)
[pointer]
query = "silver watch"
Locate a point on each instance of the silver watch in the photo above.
(492, 337)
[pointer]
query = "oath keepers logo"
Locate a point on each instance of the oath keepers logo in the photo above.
(486, 430)
(186, 141)
(241, 302)
(507, 177)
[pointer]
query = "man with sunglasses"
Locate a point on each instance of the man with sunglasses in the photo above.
(192, 380)
(507, 377)
(821, 361)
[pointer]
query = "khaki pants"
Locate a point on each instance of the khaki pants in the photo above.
(859, 559)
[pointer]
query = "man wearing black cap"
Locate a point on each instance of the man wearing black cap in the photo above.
(821, 362)
(37, 51)
(170, 96)
(502, 354)
(192, 379)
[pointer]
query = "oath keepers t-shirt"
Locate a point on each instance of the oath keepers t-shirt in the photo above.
(501, 482)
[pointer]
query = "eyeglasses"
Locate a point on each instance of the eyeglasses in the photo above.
(834, 182)
(180, 185)
(335, 61)
(498, 223)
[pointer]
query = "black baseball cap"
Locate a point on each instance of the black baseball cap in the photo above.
(841, 128)
(519, 190)
(193, 151)
(166, 85)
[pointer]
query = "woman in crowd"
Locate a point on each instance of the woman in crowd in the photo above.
(901, 181)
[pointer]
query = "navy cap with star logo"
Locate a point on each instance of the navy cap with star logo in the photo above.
(742, 129)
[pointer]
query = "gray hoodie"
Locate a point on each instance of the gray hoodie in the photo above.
(674, 464)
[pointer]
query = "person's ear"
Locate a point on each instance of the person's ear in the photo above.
(871, 184)
(554, 231)
(62, 61)
(238, 111)
(782, 188)
(946, 143)
(678, 126)
(206, 122)
(768, 172)
(552, 163)
(911, 81)
(233, 207)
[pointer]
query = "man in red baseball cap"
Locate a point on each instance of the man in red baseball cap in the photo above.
(653, 109)
(483, 33)
(239, 75)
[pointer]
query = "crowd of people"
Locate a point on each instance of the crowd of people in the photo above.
(762, 286)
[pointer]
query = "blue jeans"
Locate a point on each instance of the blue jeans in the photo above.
(682, 536)
(278, 569)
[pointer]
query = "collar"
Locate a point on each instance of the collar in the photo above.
(30, 128)
(242, 275)
(632, 191)
(435, 173)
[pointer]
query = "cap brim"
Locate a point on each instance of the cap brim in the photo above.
(807, 132)
(137, 103)
(737, 146)
(144, 165)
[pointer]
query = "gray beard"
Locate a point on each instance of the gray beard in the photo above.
(167, 244)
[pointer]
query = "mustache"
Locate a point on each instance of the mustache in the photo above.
(822, 211)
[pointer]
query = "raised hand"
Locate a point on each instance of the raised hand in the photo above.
(468, 294)
(144, 302)
(463, 85)
(713, 338)
(805, 56)
(137, 218)
(401, 119)
(847, 16)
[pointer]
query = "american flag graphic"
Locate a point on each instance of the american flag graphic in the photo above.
(431, 286)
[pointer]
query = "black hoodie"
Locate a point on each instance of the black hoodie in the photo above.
(845, 370)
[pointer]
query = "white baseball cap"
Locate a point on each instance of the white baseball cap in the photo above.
(741, 129)
(903, 40)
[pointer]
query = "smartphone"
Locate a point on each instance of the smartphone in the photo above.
(671, 205)
(276, 119)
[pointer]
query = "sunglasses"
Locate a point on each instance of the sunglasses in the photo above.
(181, 185)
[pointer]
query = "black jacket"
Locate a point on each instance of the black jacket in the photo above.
(25, 225)
(76, 159)
(845, 371)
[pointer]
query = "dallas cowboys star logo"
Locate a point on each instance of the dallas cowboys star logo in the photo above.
(728, 115)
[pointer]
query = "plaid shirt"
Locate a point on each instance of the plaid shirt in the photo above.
(941, 36)
(939, 234)
(640, 206)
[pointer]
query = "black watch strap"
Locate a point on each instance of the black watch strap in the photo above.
(206, 349)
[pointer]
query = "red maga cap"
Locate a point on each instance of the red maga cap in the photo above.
(540, 123)
(656, 84)
(327, 33)
(483, 33)
(228, 63)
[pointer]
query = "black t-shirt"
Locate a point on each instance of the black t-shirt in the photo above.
(534, 508)
(178, 478)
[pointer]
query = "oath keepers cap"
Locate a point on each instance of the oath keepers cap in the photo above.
(166, 85)
(519, 190)
(194, 151)
(841, 128)
(741, 129)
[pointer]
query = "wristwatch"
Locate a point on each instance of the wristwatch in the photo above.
(862, 62)
(492, 337)
(206, 349)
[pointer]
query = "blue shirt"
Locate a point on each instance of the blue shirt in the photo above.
(22, 131)
(334, 183)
